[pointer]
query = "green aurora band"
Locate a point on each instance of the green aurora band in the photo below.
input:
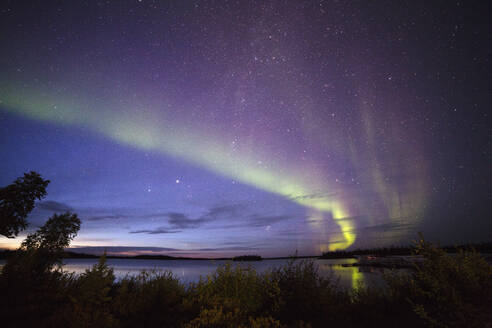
(147, 132)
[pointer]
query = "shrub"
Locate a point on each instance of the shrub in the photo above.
(89, 299)
(151, 299)
(304, 294)
(30, 299)
(217, 318)
(446, 290)
(229, 297)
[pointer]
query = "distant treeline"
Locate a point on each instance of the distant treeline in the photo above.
(6, 253)
(247, 258)
(383, 251)
(404, 250)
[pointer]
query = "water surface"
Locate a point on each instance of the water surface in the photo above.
(191, 270)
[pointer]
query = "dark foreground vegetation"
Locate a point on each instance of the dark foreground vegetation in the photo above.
(442, 291)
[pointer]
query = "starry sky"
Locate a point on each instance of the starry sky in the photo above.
(220, 128)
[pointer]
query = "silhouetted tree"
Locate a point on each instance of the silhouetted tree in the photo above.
(41, 250)
(17, 201)
(32, 286)
(54, 235)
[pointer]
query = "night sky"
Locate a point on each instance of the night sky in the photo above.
(218, 128)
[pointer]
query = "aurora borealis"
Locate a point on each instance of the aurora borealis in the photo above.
(219, 128)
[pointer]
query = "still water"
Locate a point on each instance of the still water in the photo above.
(191, 270)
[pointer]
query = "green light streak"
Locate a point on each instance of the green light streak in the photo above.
(150, 134)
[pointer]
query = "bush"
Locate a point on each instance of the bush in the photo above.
(446, 290)
(229, 297)
(151, 299)
(371, 305)
(304, 294)
(90, 299)
(31, 297)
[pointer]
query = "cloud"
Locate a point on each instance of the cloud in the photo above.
(232, 248)
(120, 249)
(153, 215)
(246, 244)
(156, 231)
(106, 217)
(181, 221)
(178, 221)
(53, 206)
(223, 211)
(138, 250)
(258, 221)
(263, 221)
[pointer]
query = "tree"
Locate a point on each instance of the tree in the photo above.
(55, 234)
(34, 261)
(33, 288)
(51, 239)
(17, 200)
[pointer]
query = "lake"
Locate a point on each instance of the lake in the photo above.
(191, 270)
